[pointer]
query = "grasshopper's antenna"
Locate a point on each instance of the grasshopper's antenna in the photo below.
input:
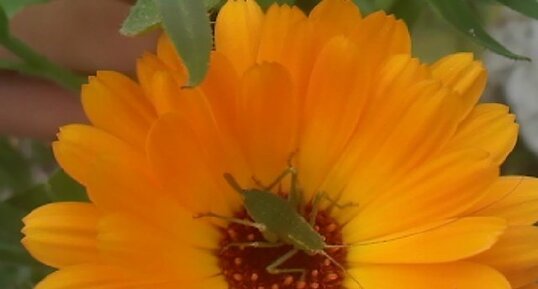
(341, 268)
(233, 183)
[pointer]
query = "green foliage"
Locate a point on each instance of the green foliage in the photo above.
(526, 7)
(385, 4)
(366, 6)
(459, 14)
(4, 25)
(63, 188)
(213, 4)
(266, 3)
(407, 10)
(143, 16)
(187, 24)
(59, 188)
(31, 62)
(14, 167)
(13, 6)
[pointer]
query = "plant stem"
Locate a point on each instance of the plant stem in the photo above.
(39, 65)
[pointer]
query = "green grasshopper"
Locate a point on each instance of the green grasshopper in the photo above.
(280, 222)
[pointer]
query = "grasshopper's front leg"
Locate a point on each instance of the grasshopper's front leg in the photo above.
(261, 227)
(315, 205)
(339, 205)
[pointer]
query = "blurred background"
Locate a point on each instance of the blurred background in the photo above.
(82, 36)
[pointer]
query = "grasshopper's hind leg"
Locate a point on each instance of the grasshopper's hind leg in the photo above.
(315, 208)
(273, 267)
(256, 244)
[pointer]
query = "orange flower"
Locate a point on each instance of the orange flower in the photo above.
(362, 120)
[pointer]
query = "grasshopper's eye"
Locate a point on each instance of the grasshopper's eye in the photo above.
(245, 267)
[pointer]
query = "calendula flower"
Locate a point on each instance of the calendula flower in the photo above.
(407, 162)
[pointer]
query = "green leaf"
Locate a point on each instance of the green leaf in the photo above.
(13, 6)
(41, 154)
(19, 66)
(22, 276)
(143, 17)
(212, 4)
(366, 6)
(15, 174)
(459, 14)
(14, 277)
(4, 25)
(187, 24)
(14, 253)
(10, 222)
(407, 10)
(31, 198)
(526, 7)
(36, 64)
(63, 188)
(384, 4)
(266, 3)
(59, 188)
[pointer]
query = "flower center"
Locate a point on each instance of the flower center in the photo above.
(245, 267)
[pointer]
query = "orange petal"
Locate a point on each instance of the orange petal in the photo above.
(190, 103)
(168, 54)
(332, 18)
(489, 127)
(464, 75)
(161, 250)
(423, 196)
(530, 286)
(97, 276)
(78, 147)
(267, 120)
(221, 87)
(512, 198)
(286, 38)
(237, 32)
(146, 67)
(115, 183)
(189, 161)
(408, 109)
(380, 36)
(276, 34)
(387, 103)
(515, 251)
(169, 96)
(461, 275)
(419, 130)
(331, 110)
(89, 276)
(113, 94)
(444, 241)
(62, 234)
(520, 279)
